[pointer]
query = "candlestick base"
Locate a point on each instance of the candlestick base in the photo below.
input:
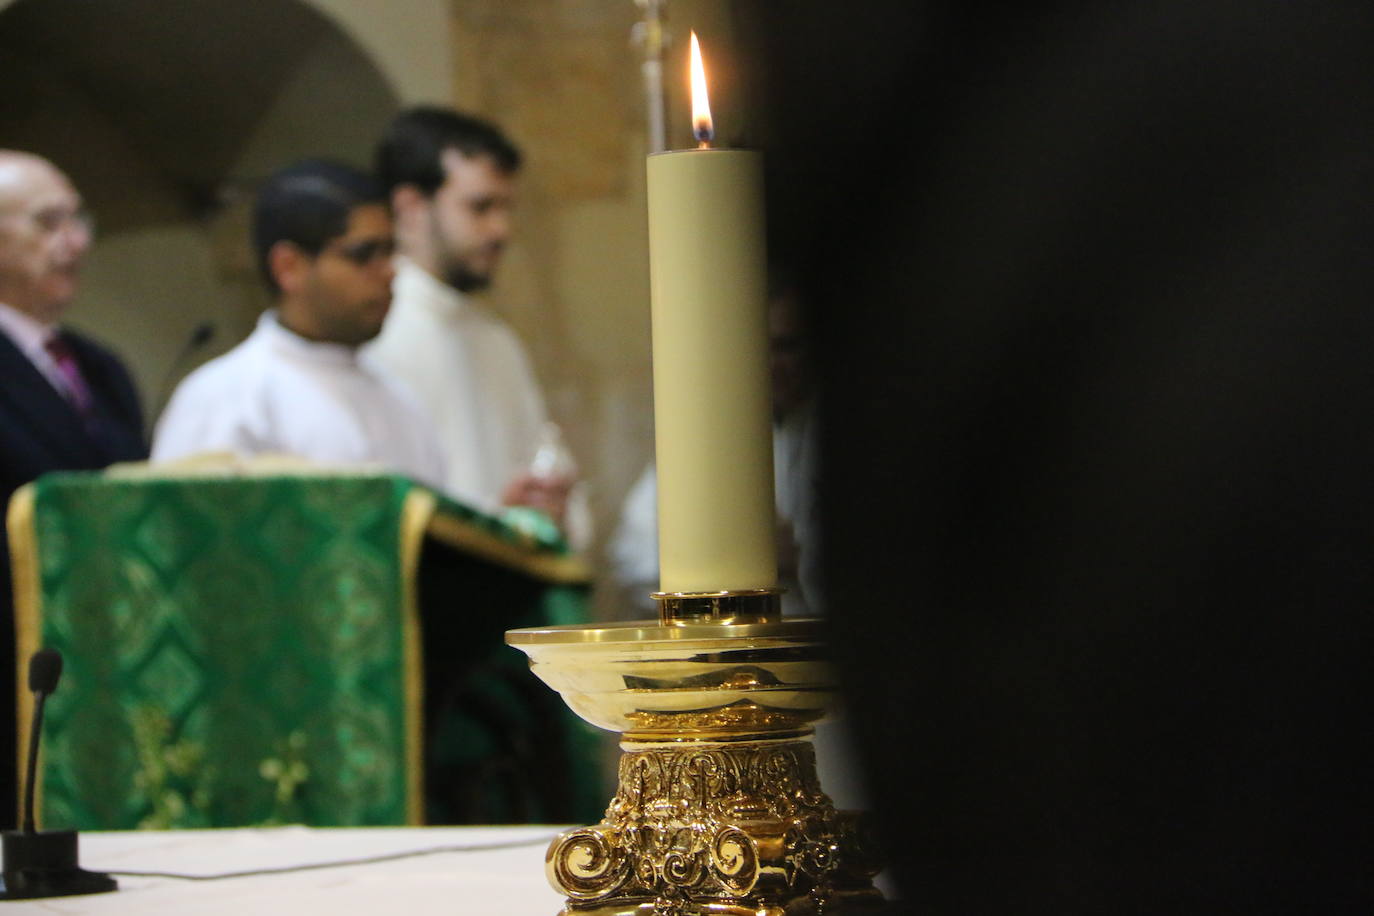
(731, 829)
(719, 809)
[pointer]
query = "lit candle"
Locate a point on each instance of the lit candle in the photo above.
(711, 393)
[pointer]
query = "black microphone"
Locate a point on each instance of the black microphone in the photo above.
(43, 863)
(200, 335)
(45, 670)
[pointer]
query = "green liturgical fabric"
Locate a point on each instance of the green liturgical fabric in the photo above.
(245, 650)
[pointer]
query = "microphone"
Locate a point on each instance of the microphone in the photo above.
(43, 863)
(45, 670)
(200, 335)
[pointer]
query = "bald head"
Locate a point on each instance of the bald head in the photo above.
(43, 236)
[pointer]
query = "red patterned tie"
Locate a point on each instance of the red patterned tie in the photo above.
(75, 383)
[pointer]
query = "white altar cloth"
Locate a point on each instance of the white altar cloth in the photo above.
(495, 871)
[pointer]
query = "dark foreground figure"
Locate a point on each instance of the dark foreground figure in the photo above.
(1099, 380)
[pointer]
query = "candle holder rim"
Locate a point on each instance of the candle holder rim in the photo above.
(722, 593)
(652, 631)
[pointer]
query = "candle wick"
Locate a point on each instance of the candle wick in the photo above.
(703, 144)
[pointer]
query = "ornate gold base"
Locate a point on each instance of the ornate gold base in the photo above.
(736, 828)
(718, 810)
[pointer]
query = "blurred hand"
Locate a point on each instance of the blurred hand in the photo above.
(546, 492)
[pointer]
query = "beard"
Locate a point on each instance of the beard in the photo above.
(453, 265)
(463, 279)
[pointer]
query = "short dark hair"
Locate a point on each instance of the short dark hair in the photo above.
(308, 203)
(411, 150)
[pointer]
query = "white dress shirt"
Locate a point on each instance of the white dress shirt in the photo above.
(278, 393)
(31, 336)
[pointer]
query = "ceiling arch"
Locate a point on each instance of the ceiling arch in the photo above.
(159, 108)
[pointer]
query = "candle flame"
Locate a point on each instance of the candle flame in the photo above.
(702, 128)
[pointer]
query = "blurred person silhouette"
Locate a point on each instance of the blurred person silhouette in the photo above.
(452, 181)
(1095, 378)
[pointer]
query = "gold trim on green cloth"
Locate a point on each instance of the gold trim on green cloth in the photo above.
(457, 532)
(28, 619)
(416, 513)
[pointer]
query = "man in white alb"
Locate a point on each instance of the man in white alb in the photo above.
(322, 233)
(451, 179)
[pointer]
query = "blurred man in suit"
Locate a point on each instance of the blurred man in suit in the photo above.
(66, 404)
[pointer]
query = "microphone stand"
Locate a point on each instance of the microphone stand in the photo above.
(44, 863)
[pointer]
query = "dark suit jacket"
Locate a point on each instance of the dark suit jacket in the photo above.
(40, 431)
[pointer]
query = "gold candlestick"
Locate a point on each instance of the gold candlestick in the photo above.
(718, 809)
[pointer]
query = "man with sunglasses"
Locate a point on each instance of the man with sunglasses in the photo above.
(322, 234)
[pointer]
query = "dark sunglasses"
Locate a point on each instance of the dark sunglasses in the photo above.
(366, 251)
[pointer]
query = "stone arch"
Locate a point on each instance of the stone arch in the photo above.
(166, 113)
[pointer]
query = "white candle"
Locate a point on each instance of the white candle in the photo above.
(711, 391)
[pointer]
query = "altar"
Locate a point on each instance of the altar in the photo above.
(292, 646)
(428, 871)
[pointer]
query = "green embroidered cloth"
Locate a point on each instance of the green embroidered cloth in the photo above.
(288, 649)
